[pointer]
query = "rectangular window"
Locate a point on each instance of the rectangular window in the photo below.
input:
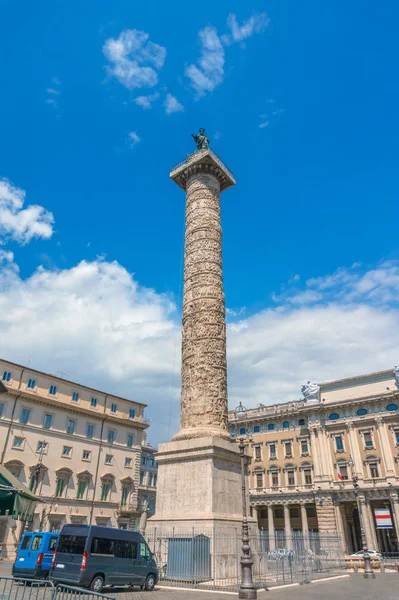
(93, 402)
(304, 448)
(108, 459)
(242, 431)
(71, 544)
(279, 513)
(60, 487)
(396, 436)
(128, 462)
(42, 447)
(18, 442)
(2, 407)
(288, 449)
(37, 542)
(132, 413)
(24, 417)
(343, 471)
(286, 425)
(102, 546)
(75, 396)
(67, 451)
(256, 429)
(258, 454)
(125, 494)
(259, 480)
(53, 390)
(90, 431)
(291, 477)
(272, 450)
(150, 476)
(130, 440)
(275, 479)
(111, 436)
(86, 455)
(142, 475)
(301, 422)
(307, 473)
(339, 445)
(26, 542)
(155, 481)
(47, 421)
(7, 376)
(105, 489)
(374, 472)
(143, 460)
(114, 408)
(270, 427)
(82, 485)
(31, 384)
(368, 440)
(71, 427)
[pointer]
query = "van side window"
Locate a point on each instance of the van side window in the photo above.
(144, 552)
(52, 543)
(134, 549)
(37, 541)
(124, 549)
(102, 546)
(26, 542)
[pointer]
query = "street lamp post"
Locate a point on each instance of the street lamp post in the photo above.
(247, 589)
(368, 570)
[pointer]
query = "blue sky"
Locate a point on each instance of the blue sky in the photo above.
(97, 104)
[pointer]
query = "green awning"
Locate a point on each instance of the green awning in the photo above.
(16, 497)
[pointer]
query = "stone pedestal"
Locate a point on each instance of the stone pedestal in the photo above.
(199, 487)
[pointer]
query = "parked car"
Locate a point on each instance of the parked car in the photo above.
(35, 554)
(373, 554)
(93, 556)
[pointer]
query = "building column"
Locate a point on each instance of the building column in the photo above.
(365, 521)
(305, 526)
(287, 527)
(385, 447)
(315, 452)
(270, 524)
(324, 452)
(345, 528)
(394, 498)
(370, 518)
(355, 452)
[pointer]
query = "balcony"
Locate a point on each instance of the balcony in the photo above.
(129, 507)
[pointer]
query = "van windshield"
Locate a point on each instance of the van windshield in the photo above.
(71, 544)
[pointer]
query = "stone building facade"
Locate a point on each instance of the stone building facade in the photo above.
(77, 448)
(306, 457)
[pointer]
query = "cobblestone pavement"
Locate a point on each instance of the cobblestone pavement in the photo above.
(354, 587)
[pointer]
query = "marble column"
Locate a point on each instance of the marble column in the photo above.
(365, 521)
(305, 526)
(394, 498)
(355, 452)
(387, 454)
(345, 529)
(270, 524)
(370, 518)
(204, 369)
(287, 527)
(324, 453)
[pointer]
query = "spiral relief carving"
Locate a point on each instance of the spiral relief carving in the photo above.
(204, 368)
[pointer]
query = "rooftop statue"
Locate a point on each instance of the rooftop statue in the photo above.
(310, 391)
(201, 140)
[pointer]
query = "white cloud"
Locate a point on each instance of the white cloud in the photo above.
(18, 223)
(263, 125)
(53, 95)
(255, 24)
(135, 60)
(146, 101)
(172, 105)
(134, 138)
(210, 70)
(98, 325)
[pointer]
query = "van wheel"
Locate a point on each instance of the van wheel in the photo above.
(149, 583)
(97, 584)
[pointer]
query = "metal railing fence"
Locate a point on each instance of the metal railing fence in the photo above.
(211, 560)
(44, 589)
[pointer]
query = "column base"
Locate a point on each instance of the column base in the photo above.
(201, 432)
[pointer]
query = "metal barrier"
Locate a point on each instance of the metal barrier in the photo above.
(210, 560)
(44, 589)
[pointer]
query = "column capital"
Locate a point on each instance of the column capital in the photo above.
(202, 161)
(350, 425)
(394, 496)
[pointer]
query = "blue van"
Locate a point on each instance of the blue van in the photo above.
(35, 554)
(93, 556)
